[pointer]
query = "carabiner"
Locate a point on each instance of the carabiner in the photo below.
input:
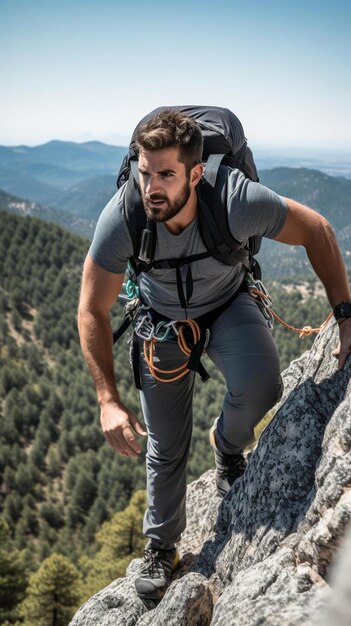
(145, 328)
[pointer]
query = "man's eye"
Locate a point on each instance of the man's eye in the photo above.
(166, 175)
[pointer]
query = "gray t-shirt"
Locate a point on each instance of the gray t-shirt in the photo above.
(252, 210)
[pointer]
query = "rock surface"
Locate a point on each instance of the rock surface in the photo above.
(265, 554)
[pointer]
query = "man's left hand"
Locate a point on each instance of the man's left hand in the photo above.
(344, 346)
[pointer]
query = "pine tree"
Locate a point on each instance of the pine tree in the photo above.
(12, 577)
(121, 540)
(53, 593)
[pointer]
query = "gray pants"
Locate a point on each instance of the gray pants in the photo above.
(242, 348)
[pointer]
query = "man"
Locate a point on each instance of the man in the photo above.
(170, 168)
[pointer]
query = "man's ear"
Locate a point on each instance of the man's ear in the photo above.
(196, 174)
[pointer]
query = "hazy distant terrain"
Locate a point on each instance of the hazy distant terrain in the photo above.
(81, 177)
(332, 163)
(57, 172)
(329, 195)
(69, 184)
(19, 206)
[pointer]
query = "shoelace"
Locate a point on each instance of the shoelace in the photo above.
(153, 562)
(231, 464)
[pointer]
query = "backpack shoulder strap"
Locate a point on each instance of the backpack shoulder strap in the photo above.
(213, 222)
(137, 224)
(212, 166)
(134, 213)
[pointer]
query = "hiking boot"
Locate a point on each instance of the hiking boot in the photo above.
(155, 573)
(228, 466)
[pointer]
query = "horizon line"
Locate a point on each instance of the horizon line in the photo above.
(259, 146)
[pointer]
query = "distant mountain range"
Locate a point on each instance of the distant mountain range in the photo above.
(69, 184)
(329, 162)
(81, 177)
(329, 195)
(90, 157)
(56, 173)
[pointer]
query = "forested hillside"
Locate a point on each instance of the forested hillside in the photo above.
(59, 480)
(19, 206)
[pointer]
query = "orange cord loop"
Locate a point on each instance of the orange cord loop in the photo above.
(182, 370)
(303, 332)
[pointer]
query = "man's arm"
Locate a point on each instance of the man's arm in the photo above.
(305, 227)
(99, 292)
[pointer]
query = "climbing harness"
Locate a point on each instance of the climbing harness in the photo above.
(192, 335)
(151, 328)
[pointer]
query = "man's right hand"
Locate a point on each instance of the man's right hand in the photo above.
(119, 425)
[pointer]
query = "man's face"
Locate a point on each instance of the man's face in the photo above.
(164, 183)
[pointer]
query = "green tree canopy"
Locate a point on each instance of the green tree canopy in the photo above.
(13, 579)
(53, 593)
(121, 540)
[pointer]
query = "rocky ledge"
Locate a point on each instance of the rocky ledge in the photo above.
(277, 550)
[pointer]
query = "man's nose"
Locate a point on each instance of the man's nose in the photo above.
(151, 184)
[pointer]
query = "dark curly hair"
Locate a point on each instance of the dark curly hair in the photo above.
(172, 129)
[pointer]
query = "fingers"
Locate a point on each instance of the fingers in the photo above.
(343, 349)
(132, 446)
(136, 425)
(118, 427)
(336, 352)
(342, 358)
(341, 354)
(117, 443)
(123, 440)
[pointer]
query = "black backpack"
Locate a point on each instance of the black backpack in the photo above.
(225, 147)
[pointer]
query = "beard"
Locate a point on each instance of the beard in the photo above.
(170, 208)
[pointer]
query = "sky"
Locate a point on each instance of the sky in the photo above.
(84, 70)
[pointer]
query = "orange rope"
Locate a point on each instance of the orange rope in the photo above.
(182, 370)
(181, 338)
(303, 332)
